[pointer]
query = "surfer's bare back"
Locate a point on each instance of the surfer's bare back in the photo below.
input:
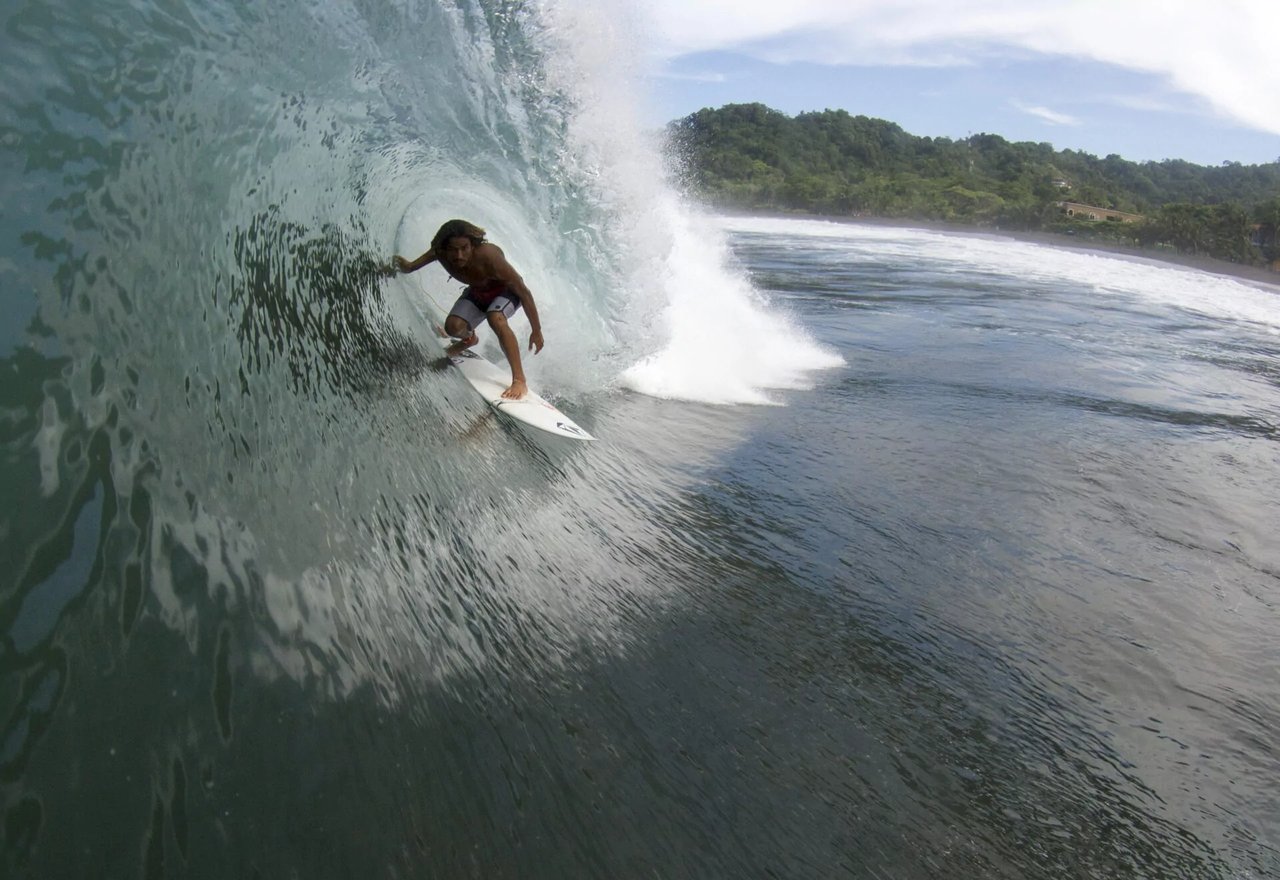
(495, 291)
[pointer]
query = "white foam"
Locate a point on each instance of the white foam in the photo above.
(1193, 290)
(690, 326)
(722, 343)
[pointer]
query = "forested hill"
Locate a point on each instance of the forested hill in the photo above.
(830, 162)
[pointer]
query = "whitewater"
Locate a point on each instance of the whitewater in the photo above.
(899, 554)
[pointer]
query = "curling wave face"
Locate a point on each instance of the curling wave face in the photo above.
(231, 457)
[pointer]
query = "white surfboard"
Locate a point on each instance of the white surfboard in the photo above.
(490, 381)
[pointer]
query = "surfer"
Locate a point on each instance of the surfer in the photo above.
(495, 291)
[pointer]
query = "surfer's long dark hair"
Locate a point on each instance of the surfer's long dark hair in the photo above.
(457, 229)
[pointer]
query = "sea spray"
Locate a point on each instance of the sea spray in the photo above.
(692, 324)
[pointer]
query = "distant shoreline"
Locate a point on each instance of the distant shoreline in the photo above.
(1258, 274)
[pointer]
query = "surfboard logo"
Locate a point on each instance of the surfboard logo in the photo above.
(571, 429)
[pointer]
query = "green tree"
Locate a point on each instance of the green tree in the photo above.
(1267, 216)
(749, 155)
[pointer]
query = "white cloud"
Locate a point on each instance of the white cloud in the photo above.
(707, 77)
(1222, 52)
(1052, 117)
(1146, 103)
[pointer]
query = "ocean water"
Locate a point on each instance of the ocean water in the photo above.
(900, 554)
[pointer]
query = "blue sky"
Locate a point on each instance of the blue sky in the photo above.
(1148, 80)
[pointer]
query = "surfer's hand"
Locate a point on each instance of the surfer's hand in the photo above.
(535, 341)
(400, 263)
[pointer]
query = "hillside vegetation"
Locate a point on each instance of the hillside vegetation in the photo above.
(748, 156)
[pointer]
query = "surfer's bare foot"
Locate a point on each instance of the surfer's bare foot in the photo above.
(462, 344)
(517, 390)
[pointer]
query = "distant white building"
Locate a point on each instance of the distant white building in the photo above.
(1093, 212)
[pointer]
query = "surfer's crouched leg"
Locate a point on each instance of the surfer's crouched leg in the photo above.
(461, 331)
(511, 349)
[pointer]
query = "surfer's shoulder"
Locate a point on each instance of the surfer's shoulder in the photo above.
(491, 256)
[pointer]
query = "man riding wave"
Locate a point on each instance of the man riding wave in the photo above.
(495, 291)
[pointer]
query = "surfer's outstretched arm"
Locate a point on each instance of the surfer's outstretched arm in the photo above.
(406, 266)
